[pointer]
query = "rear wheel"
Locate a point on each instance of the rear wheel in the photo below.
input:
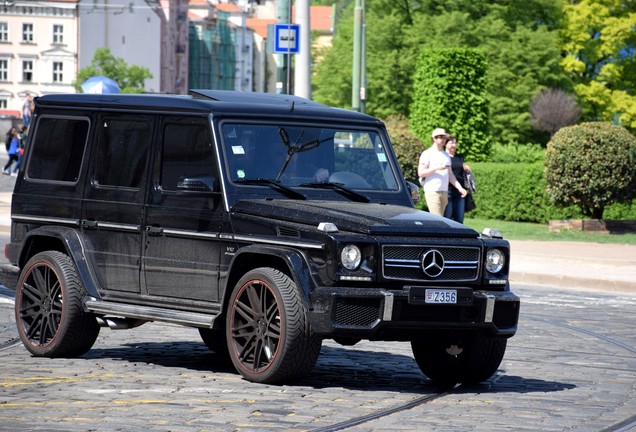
(467, 359)
(49, 315)
(270, 340)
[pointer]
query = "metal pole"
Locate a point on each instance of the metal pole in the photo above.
(357, 39)
(281, 70)
(289, 61)
(302, 60)
(363, 62)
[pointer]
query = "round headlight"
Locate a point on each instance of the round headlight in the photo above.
(350, 257)
(495, 260)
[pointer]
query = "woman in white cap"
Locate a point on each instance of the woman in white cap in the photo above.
(435, 174)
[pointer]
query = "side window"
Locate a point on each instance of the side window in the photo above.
(122, 152)
(58, 149)
(186, 154)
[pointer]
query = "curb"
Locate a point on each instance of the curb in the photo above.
(573, 282)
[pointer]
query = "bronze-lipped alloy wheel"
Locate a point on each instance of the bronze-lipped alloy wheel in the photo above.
(49, 314)
(270, 339)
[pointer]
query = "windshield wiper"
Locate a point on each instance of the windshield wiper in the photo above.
(338, 187)
(294, 148)
(276, 185)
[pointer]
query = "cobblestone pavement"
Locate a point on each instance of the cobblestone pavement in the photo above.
(571, 366)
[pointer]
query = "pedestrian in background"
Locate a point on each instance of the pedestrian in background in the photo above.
(27, 111)
(435, 174)
(14, 154)
(456, 201)
(8, 138)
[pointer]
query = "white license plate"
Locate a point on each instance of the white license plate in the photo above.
(441, 296)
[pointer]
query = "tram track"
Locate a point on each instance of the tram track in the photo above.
(11, 343)
(622, 426)
(630, 422)
(385, 412)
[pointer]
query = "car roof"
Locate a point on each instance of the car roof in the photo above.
(217, 102)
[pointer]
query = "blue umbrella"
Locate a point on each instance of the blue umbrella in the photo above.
(100, 84)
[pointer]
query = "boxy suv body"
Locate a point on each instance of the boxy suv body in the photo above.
(268, 222)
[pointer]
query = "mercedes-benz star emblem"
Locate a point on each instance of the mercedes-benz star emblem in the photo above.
(433, 263)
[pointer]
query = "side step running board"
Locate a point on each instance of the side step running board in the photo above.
(151, 313)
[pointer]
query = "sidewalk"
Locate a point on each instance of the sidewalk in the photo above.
(577, 265)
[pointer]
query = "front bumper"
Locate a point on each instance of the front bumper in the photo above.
(399, 315)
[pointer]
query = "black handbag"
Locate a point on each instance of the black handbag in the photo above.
(469, 205)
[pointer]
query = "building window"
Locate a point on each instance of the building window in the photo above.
(57, 72)
(27, 33)
(58, 34)
(4, 31)
(27, 71)
(3, 104)
(4, 70)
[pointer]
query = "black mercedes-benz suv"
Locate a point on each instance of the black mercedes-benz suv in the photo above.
(269, 222)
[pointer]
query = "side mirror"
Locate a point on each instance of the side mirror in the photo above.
(415, 191)
(196, 184)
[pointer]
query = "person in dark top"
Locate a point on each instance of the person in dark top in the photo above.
(456, 202)
(8, 138)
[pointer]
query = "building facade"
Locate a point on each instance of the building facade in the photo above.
(216, 44)
(38, 50)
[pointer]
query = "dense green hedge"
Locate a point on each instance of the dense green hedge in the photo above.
(517, 192)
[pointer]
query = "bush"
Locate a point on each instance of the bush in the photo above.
(408, 147)
(511, 153)
(591, 165)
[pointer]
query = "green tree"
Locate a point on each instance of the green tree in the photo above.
(129, 78)
(519, 39)
(599, 44)
(591, 165)
(450, 92)
(387, 80)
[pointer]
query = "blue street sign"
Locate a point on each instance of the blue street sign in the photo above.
(287, 39)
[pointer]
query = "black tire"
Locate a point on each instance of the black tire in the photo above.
(216, 341)
(270, 339)
(48, 308)
(467, 359)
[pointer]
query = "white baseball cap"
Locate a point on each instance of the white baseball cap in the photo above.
(438, 132)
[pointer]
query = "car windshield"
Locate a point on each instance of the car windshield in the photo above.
(307, 156)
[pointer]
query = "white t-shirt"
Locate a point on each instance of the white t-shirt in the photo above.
(438, 181)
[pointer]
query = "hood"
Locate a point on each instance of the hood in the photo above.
(364, 218)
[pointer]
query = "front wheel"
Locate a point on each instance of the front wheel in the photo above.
(467, 359)
(48, 308)
(269, 336)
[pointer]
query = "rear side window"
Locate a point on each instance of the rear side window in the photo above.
(58, 148)
(122, 151)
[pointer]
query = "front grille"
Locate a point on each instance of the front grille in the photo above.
(460, 264)
(356, 312)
